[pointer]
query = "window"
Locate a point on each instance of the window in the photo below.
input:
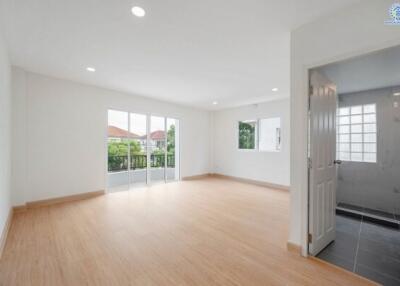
(270, 134)
(247, 134)
(356, 133)
(260, 134)
(142, 148)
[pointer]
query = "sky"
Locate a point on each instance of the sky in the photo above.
(138, 122)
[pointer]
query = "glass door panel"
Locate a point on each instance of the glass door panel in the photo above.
(172, 170)
(138, 148)
(157, 149)
(141, 149)
(118, 150)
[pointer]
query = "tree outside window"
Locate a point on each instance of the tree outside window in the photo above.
(247, 135)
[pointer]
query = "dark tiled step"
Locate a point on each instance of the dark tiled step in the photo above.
(379, 213)
(350, 207)
(367, 216)
(341, 211)
(366, 210)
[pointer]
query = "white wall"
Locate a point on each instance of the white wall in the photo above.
(354, 30)
(375, 185)
(61, 129)
(19, 141)
(271, 167)
(5, 135)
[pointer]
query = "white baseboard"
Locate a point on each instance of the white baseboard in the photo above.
(253, 182)
(58, 200)
(195, 177)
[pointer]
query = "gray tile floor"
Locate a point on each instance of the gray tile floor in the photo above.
(366, 248)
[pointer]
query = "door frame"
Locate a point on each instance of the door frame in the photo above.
(148, 119)
(305, 195)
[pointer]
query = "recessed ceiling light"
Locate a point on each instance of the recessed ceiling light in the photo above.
(90, 69)
(215, 102)
(275, 89)
(396, 94)
(138, 11)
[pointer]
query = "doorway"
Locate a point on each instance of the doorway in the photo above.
(142, 149)
(364, 234)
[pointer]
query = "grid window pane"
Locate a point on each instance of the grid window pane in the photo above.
(344, 147)
(356, 128)
(370, 147)
(345, 156)
(370, 128)
(344, 111)
(356, 138)
(356, 109)
(344, 129)
(370, 108)
(356, 147)
(370, 157)
(356, 119)
(369, 118)
(344, 120)
(356, 133)
(370, 137)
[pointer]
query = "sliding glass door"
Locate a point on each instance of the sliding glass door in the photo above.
(118, 150)
(157, 149)
(138, 159)
(172, 156)
(142, 149)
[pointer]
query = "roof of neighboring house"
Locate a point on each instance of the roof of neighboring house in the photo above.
(157, 135)
(117, 132)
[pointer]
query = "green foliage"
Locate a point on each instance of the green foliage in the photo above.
(117, 148)
(158, 152)
(247, 133)
(118, 154)
(121, 148)
(135, 147)
(171, 140)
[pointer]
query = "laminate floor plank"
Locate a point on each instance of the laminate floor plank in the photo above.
(203, 232)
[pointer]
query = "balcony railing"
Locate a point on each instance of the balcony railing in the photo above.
(120, 163)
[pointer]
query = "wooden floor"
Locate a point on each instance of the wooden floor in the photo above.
(204, 232)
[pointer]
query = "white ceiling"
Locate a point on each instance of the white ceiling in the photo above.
(376, 70)
(184, 51)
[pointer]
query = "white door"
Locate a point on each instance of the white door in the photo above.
(322, 168)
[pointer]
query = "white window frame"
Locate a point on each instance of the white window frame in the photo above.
(257, 135)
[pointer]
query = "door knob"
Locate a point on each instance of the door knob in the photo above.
(337, 162)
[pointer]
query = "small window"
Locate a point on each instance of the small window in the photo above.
(270, 134)
(247, 134)
(356, 133)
